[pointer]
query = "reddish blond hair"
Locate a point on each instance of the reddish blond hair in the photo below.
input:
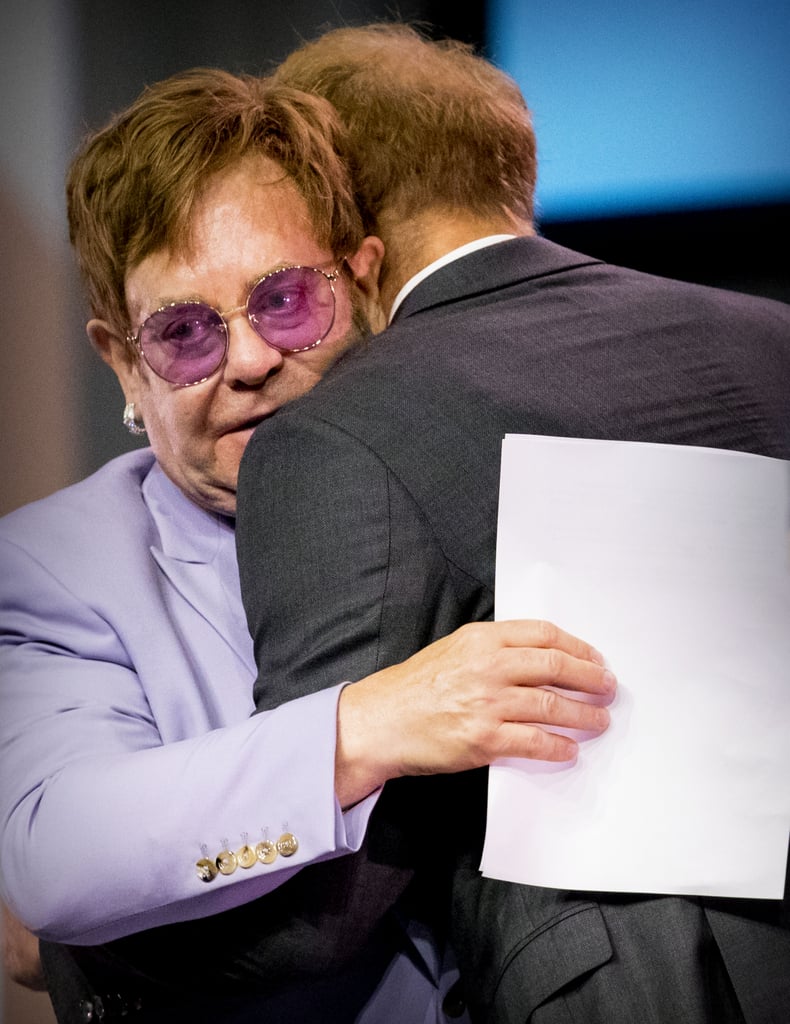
(430, 123)
(133, 185)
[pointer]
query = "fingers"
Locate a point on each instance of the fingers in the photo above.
(542, 633)
(547, 707)
(489, 690)
(533, 666)
(536, 744)
(540, 678)
(529, 716)
(532, 652)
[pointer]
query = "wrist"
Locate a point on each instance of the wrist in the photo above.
(361, 762)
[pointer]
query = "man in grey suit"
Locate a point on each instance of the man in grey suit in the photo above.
(367, 508)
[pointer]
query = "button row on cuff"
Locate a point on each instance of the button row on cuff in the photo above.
(266, 852)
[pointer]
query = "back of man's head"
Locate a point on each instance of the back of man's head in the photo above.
(432, 125)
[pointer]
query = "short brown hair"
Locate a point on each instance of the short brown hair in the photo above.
(431, 123)
(132, 186)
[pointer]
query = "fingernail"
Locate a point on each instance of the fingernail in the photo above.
(610, 680)
(597, 657)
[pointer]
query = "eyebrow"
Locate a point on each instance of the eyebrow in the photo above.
(248, 285)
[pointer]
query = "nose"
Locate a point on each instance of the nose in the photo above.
(250, 360)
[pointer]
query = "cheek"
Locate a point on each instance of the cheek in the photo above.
(350, 327)
(361, 326)
(175, 423)
(227, 453)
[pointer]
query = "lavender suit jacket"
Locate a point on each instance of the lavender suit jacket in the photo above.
(127, 747)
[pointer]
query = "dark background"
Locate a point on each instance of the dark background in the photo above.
(94, 57)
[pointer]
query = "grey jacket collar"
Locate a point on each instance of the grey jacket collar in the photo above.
(489, 269)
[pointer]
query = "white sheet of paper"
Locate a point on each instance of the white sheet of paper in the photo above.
(675, 563)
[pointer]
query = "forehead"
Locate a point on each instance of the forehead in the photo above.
(252, 194)
(248, 219)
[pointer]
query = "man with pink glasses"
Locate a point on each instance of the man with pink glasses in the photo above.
(227, 269)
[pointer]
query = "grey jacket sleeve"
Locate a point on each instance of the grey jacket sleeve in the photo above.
(340, 572)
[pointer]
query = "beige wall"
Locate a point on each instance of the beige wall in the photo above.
(38, 385)
(39, 425)
(36, 405)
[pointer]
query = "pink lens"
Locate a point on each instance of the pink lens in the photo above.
(293, 309)
(184, 343)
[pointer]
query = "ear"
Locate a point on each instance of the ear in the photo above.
(365, 265)
(115, 353)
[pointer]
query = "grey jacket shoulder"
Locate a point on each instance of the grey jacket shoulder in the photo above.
(526, 336)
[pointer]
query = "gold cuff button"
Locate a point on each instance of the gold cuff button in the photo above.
(226, 862)
(206, 869)
(246, 857)
(287, 844)
(266, 852)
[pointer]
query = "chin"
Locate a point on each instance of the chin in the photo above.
(220, 501)
(216, 494)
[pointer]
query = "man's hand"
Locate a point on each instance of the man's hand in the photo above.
(472, 697)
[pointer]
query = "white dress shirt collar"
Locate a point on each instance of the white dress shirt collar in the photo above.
(454, 254)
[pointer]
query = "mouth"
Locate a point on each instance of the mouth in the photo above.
(246, 427)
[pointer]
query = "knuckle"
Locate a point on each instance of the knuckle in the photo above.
(471, 633)
(535, 742)
(499, 661)
(554, 663)
(484, 744)
(549, 705)
(548, 634)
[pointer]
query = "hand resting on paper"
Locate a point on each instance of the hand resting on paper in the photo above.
(469, 698)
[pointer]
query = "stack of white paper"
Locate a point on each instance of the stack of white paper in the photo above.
(675, 563)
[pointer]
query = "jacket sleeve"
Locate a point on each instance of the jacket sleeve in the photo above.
(103, 818)
(341, 574)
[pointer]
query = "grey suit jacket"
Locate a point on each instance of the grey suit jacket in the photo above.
(366, 529)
